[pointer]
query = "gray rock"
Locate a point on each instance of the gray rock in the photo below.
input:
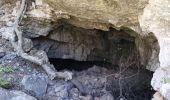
(60, 91)
(10, 56)
(161, 82)
(27, 44)
(7, 33)
(107, 96)
(7, 58)
(14, 95)
(35, 83)
(2, 54)
(1, 3)
(74, 94)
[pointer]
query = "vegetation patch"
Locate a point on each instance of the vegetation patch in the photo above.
(165, 80)
(3, 82)
(6, 69)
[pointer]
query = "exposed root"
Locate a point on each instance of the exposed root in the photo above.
(17, 42)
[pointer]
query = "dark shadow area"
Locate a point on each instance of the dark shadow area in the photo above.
(73, 65)
(110, 51)
(133, 87)
(135, 82)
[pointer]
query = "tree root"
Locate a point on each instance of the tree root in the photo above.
(17, 43)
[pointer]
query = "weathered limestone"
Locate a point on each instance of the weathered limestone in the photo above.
(156, 19)
(70, 42)
(103, 14)
(146, 20)
(99, 14)
(46, 19)
(157, 96)
(161, 81)
(91, 15)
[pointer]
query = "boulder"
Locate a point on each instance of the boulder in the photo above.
(14, 95)
(161, 81)
(36, 84)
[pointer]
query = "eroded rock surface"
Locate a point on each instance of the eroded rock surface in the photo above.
(69, 42)
(36, 84)
(51, 19)
(156, 19)
(161, 81)
(100, 14)
(145, 20)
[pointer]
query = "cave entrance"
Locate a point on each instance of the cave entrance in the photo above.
(100, 60)
(73, 65)
(99, 75)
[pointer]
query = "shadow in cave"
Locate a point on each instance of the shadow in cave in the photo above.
(134, 88)
(115, 45)
(73, 65)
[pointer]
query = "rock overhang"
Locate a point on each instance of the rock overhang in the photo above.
(141, 16)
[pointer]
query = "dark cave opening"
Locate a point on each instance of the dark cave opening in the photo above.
(73, 65)
(94, 54)
(135, 87)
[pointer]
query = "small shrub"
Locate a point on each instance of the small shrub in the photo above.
(4, 83)
(6, 70)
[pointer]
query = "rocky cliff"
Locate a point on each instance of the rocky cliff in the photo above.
(97, 30)
(87, 18)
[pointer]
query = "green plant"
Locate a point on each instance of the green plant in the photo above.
(165, 80)
(6, 69)
(4, 83)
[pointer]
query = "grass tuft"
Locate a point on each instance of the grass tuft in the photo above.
(6, 69)
(3, 82)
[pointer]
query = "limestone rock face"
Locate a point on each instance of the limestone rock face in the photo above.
(100, 14)
(148, 21)
(43, 15)
(156, 19)
(45, 18)
(89, 14)
(141, 16)
(161, 81)
(70, 42)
